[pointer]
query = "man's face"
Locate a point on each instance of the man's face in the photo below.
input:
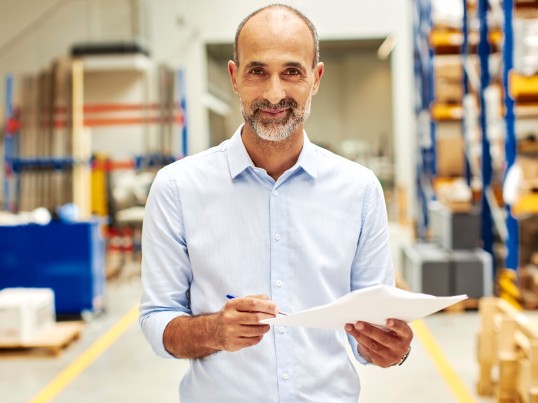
(275, 80)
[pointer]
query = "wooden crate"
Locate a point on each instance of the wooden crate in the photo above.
(507, 346)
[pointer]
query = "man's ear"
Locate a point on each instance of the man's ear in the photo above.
(232, 69)
(318, 72)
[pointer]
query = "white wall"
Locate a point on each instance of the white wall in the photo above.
(179, 30)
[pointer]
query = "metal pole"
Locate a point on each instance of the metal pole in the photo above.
(512, 241)
(483, 54)
(183, 105)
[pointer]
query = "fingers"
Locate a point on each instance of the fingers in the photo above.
(401, 328)
(384, 347)
(255, 303)
(238, 323)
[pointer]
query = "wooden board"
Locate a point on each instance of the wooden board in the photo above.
(466, 304)
(53, 339)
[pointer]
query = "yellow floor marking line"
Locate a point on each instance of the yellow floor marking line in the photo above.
(65, 377)
(447, 372)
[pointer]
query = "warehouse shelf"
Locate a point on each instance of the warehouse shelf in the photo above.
(454, 112)
(451, 41)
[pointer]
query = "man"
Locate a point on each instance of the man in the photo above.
(275, 220)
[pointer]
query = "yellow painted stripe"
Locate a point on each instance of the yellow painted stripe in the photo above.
(447, 372)
(86, 358)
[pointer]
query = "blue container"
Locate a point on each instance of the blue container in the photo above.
(67, 257)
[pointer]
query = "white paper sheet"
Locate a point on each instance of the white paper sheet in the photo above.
(373, 305)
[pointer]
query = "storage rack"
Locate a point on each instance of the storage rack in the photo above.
(424, 96)
(63, 157)
(500, 221)
(520, 100)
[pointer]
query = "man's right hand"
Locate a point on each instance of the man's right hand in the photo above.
(237, 325)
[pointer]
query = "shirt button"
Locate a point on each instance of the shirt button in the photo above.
(281, 329)
(285, 376)
(275, 192)
(277, 237)
(278, 283)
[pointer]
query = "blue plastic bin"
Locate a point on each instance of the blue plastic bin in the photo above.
(67, 257)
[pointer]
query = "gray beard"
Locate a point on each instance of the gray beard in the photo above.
(275, 129)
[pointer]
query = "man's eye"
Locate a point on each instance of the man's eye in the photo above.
(256, 71)
(292, 72)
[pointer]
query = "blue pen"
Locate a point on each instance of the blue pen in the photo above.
(229, 296)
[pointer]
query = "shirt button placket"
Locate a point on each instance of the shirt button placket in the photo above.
(278, 264)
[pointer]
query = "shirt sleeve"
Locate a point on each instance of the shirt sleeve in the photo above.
(166, 269)
(372, 264)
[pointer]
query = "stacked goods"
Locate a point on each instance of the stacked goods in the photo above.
(25, 313)
(526, 46)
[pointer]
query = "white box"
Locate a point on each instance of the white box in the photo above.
(24, 313)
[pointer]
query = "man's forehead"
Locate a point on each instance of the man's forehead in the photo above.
(273, 22)
(272, 26)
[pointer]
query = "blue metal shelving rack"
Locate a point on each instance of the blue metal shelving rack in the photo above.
(487, 170)
(466, 90)
(181, 90)
(10, 147)
(424, 96)
(512, 242)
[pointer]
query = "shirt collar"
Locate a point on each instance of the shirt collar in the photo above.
(239, 160)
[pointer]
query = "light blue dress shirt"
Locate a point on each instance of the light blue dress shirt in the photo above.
(215, 224)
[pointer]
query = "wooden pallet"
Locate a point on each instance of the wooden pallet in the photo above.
(507, 353)
(465, 305)
(52, 340)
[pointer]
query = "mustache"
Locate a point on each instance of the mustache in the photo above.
(265, 104)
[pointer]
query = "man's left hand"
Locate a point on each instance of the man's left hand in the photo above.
(382, 347)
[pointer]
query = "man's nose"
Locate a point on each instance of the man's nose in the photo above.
(274, 90)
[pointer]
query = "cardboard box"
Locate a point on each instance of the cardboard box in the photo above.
(450, 155)
(24, 313)
(448, 67)
(529, 169)
(448, 91)
(528, 238)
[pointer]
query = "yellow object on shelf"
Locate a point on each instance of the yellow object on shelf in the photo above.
(527, 204)
(444, 112)
(442, 38)
(522, 87)
(99, 197)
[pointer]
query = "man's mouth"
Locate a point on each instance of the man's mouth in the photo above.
(274, 113)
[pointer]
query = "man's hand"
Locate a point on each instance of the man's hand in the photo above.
(237, 326)
(382, 347)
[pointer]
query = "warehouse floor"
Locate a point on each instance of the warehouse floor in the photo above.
(112, 362)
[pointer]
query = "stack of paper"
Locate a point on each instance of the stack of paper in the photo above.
(373, 305)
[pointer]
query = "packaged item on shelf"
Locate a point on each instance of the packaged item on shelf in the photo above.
(528, 238)
(450, 155)
(526, 46)
(529, 169)
(448, 67)
(24, 313)
(447, 14)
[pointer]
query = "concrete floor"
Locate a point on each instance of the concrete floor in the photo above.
(128, 371)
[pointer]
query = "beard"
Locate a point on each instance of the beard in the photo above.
(276, 129)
